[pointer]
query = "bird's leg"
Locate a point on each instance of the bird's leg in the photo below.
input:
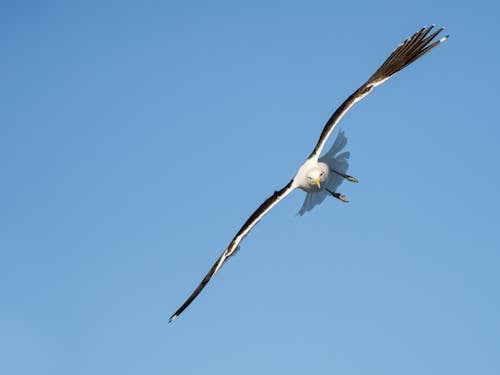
(346, 176)
(339, 196)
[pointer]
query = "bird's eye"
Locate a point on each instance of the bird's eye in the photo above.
(322, 174)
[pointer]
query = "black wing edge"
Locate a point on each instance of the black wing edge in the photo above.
(233, 246)
(198, 289)
(406, 53)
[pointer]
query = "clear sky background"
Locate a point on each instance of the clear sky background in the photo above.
(137, 136)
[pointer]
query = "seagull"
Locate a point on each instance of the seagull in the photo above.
(319, 176)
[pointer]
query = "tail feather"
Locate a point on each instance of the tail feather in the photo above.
(339, 143)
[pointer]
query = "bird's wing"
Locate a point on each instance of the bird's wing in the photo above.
(407, 52)
(235, 243)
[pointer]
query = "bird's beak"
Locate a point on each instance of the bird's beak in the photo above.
(318, 183)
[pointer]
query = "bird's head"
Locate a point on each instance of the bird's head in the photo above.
(316, 177)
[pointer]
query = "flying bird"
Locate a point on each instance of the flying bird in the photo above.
(320, 176)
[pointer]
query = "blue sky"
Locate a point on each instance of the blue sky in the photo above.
(137, 137)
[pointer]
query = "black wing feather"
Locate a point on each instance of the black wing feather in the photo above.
(406, 53)
(235, 242)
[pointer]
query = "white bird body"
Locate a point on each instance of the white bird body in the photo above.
(320, 176)
(310, 172)
(330, 170)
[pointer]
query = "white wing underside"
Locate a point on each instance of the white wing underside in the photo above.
(335, 161)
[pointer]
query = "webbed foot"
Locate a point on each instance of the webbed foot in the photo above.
(339, 196)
